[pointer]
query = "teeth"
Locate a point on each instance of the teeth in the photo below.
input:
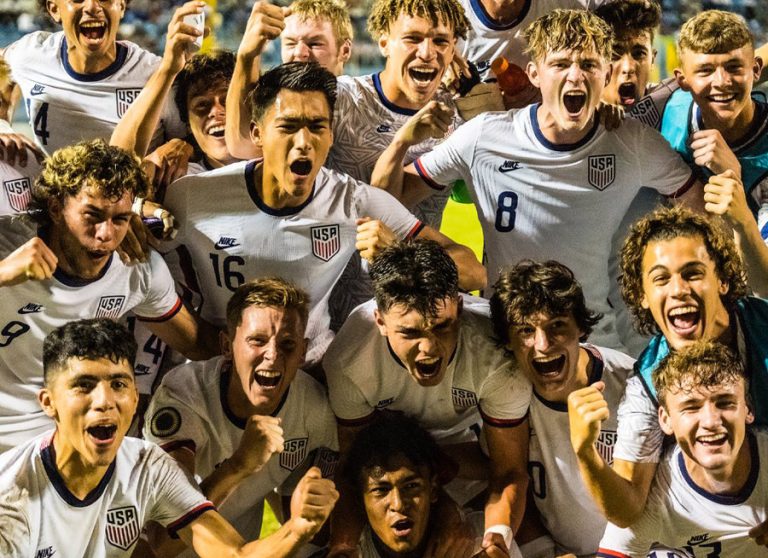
(268, 373)
(92, 25)
(712, 438)
(574, 93)
(682, 310)
(428, 361)
(546, 359)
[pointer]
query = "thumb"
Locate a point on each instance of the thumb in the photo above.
(313, 473)
(362, 220)
(599, 386)
(287, 11)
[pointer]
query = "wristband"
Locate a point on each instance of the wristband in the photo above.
(505, 531)
(160, 213)
(138, 205)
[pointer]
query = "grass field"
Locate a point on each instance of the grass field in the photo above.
(461, 224)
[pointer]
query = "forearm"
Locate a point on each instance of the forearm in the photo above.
(135, 130)
(472, 274)
(238, 119)
(388, 174)
(220, 484)
(755, 254)
(506, 500)
(281, 544)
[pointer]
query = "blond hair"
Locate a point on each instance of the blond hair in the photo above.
(272, 292)
(334, 11)
(385, 12)
(578, 30)
(714, 32)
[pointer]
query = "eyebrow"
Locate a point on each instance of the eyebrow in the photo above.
(110, 377)
(299, 120)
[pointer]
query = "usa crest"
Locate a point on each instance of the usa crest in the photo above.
(294, 452)
(19, 193)
(124, 98)
(110, 307)
(326, 460)
(123, 527)
(646, 112)
(326, 241)
(463, 398)
(605, 443)
(602, 171)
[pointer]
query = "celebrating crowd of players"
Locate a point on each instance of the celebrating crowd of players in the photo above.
(275, 236)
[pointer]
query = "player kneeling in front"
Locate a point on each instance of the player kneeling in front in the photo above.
(84, 490)
(711, 489)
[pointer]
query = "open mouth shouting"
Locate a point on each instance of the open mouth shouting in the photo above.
(428, 369)
(301, 168)
(102, 434)
(628, 93)
(548, 366)
(267, 379)
(574, 102)
(403, 528)
(216, 131)
(684, 320)
(93, 31)
(423, 77)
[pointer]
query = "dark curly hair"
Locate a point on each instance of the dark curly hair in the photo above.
(200, 73)
(668, 223)
(631, 17)
(532, 287)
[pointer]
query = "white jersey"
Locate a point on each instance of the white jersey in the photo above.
(365, 123)
(480, 382)
(681, 515)
(190, 410)
(32, 309)
(487, 39)
(566, 508)
(221, 245)
(42, 518)
(539, 200)
(65, 107)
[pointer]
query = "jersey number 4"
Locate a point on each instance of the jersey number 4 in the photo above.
(40, 123)
(505, 212)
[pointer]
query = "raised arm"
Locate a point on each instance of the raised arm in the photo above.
(472, 274)
(188, 334)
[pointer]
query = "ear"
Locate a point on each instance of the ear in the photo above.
(680, 77)
(654, 52)
(122, 9)
(665, 421)
(723, 288)
(533, 73)
(225, 344)
(380, 322)
(256, 134)
(55, 210)
(608, 73)
(460, 306)
(757, 68)
(53, 10)
(384, 45)
(644, 302)
(434, 489)
(345, 51)
(46, 402)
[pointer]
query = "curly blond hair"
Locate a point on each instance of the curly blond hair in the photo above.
(668, 223)
(578, 30)
(385, 12)
(334, 11)
(714, 32)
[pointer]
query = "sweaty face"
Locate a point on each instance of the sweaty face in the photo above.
(93, 403)
(313, 40)
(266, 351)
(423, 344)
(571, 83)
(90, 26)
(206, 115)
(295, 136)
(683, 291)
(418, 53)
(631, 67)
(547, 349)
(88, 229)
(709, 424)
(397, 502)
(721, 84)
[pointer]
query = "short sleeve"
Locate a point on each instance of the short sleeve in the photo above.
(639, 434)
(15, 535)
(161, 302)
(661, 167)
(451, 160)
(624, 543)
(504, 397)
(173, 125)
(171, 423)
(378, 204)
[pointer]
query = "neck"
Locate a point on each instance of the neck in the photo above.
(503, 11)
(727, 481)
(66, 262)
(90, 63)
(218, 163)
(271, 191)
(79, 477)
(732, 132)
(393, 93)
(551, 130)
(238, 401)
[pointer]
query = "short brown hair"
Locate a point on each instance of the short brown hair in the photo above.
(714, 32)
(704, 364)
(334, 11)
(568, 29)
(667, 223)
(629, 18)
(385, 12)
(267, 291)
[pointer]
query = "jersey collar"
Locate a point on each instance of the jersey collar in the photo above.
(560, 146)
(386, 102)
(757, 128)
(253, 192)
(226, 373)
(490, 23)
(121, 55)
(596, 365)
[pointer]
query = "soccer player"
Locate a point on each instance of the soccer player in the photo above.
(87, 490)
(682, 279)
(243, 422)
(634, 24)
(394, 470)
(67, 270)
(539, 313)
(417, 350)
(78, 82)
(712, 487)
(540, 177)
(286, 215)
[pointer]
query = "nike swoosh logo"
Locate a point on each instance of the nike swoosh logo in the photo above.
(24, 311)
(220, 246)
(505, 171)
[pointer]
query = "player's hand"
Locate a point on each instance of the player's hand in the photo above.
(611, 116)
(167, 163)
(493, 547)
(152, 210)
(181, 37)
(587, 409)
(265, 24)
(453, 537)
(760, 534)
(724, 195)
(710, 150)
(311, 503)
(262, 438)
(135, 246)
(32, 261)
(13, 149)
(455, 70)
(432, 121)
(372, 237)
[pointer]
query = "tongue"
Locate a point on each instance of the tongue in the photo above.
(93, 33)
(685, 321)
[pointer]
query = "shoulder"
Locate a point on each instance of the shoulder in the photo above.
(192, 381)
(36, 40)
(358, 329)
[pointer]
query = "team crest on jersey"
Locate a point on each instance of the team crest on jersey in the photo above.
(110, 307)
(294, 452)
(123, 527)
(326, 460)
(605, 443)
(463, 398)
(646, 112)
(124, 98)
(326, 241)
(165, 422)
(19, 193)
(602, 171)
